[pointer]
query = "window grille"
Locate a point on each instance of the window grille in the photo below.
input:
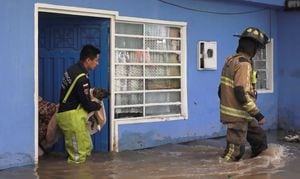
(149, 75)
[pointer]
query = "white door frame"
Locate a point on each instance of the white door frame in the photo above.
(41, 7)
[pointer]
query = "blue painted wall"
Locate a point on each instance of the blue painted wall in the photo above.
(279, 3)
(202, 99)
(289, 70)
(203, 103)
(17, 84)
(17, 71)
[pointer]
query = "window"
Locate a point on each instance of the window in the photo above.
(263, 64)
(149, 71)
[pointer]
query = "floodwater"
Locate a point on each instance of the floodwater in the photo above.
(197, 159)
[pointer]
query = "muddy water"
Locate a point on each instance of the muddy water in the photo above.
(197, 159)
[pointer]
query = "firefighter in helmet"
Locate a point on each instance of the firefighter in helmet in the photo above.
(237, 93)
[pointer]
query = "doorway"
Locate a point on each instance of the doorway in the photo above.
(60, 40)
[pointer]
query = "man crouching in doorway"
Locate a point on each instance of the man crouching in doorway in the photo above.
(75, 104)
(238, 98)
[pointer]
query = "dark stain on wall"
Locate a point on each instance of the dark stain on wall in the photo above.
(134, 140)
(295, 73)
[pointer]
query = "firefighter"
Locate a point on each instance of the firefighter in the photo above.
(75, 104)
(237, 93)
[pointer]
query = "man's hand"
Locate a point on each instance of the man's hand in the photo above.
(262, 121)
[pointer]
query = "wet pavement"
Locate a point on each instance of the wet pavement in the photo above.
(197, 159)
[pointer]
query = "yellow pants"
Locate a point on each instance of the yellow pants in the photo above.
(78, 142)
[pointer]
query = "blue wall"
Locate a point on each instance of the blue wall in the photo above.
(203, 103)
(17, 71)
(17, 84)
(278, 3)
(289, 70)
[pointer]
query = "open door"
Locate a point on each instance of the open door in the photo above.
(61, 38)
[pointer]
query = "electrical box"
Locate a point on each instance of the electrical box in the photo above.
(207, 55)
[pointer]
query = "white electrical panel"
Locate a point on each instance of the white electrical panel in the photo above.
(207, 55)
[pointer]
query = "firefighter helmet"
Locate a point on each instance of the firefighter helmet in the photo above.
(255, 34)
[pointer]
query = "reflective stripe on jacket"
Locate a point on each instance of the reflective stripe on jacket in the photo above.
(237, 73)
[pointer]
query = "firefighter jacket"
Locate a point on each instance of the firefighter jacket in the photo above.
(237, 90)
(81, 92)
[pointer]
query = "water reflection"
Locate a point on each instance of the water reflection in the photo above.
(197, 159)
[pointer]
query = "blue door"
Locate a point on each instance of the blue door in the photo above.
(61, 38)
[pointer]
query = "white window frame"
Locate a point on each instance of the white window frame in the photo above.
(183, 89)
(269, 69)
